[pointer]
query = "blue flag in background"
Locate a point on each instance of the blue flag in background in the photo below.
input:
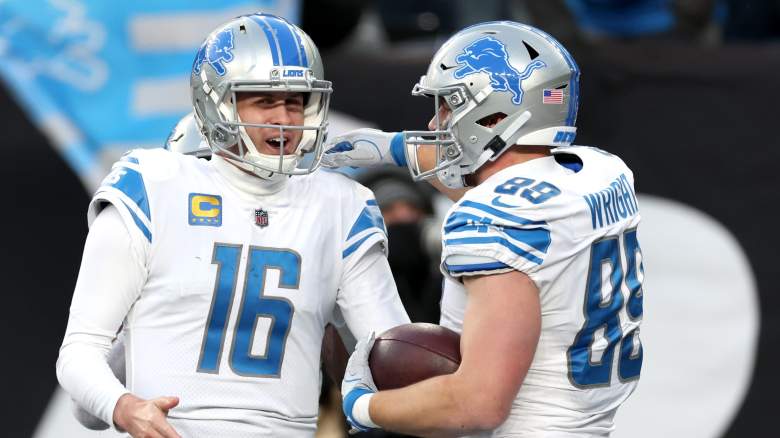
(101, 77)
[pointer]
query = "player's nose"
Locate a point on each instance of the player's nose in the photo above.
(279, 115)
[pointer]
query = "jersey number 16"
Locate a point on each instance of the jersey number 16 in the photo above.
(255, 304)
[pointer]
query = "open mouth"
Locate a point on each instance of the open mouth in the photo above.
(276, 142)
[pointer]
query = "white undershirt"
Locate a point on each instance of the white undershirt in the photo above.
(110, 280)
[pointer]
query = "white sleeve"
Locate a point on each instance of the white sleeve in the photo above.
(110, 280)
(116, 360)
(368, 297)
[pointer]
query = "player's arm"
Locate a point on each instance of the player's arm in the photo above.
(500, 332)
(368, 297)
(371, 147)
(116, 361)
(110, 280)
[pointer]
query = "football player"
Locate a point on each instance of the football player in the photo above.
(185, 138)
(222, 274)
(543, 265)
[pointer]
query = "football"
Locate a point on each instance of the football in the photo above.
(413, 352)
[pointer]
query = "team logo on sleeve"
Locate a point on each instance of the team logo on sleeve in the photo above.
(489, 55)
(205, 210)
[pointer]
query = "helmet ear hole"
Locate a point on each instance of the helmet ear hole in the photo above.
(491, 120)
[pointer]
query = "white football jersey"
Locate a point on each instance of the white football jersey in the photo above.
(238, 292)
(572, 228)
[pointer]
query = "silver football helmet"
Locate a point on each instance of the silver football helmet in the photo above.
(260, 53)
(185, 138)
(497, 70)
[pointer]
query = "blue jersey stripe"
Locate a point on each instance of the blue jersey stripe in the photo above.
(536, 238)
(352, 248)
(476, 267)
(140, 224)
(132, 185)
(370, 217)
(501, 214)
(458, 220)
(500, 240)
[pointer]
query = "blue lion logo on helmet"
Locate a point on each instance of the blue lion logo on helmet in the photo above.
(488, 55)
(216, 51)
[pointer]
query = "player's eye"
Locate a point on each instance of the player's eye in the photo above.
(294, 103)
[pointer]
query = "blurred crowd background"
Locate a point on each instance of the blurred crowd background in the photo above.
(685, 91)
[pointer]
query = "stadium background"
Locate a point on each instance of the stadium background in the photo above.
(690, 106)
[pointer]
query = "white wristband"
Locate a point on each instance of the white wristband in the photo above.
(360, 411)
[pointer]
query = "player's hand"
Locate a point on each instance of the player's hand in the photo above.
(145, 418)
(357, 381)
(365, 147)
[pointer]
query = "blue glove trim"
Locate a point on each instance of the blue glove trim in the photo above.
(349, 403)
(342, 146)
(397, 149)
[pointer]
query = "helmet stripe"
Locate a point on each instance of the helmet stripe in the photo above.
(301, 49)
(574, 83)
(288, 45)
(273, 44)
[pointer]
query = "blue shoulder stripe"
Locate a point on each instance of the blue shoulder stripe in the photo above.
(132, 185)
(500, 240)
(537, 238)
(129, 159)
(476, 267)
(458, 220)
(352, 248)
(140, 224)
(502, 214)
(370, 217)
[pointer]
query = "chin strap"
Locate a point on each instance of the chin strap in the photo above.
(498, 144)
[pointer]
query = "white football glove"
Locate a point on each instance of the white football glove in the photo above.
(358, 382)
(365, 147)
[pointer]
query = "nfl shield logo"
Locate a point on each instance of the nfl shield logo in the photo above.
(261, 218)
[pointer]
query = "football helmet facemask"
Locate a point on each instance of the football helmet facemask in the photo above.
(260, 53)
(497, 70)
